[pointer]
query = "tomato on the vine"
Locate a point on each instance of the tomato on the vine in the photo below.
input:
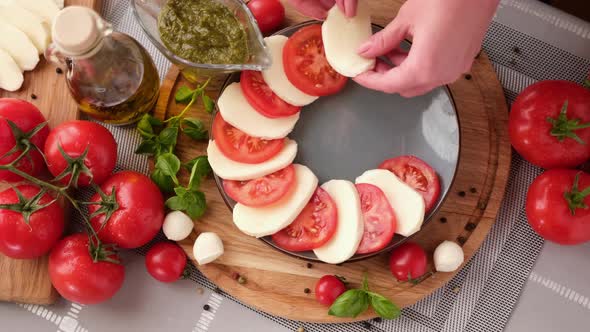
(165, 261)
(328, 289)
(85, 273)
(408, 262)
(557, 206)
(21, 125)
(269, 14)
(26, 235)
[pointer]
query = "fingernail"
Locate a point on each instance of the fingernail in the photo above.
(364, 47)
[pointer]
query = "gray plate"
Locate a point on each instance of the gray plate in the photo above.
(341, 136)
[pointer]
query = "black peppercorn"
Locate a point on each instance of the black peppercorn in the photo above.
(443, 220)
(461, 240)
(309, 265)
(307, 291)
(59, 71)
(468, 77)
(33, 96)
(470, 226)
(473, 190)
(206, 307)
(462, 193)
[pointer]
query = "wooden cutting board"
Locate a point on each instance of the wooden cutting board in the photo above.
(276, 282)
(27, 281)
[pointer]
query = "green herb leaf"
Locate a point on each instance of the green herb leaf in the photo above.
(196, 204)
(184, 95)
(383, 307)
(176, 203)
(164, 182)
(146, 125)
(199, 170)
(194, 128)
(365, 283)
(180, 191)
(208, 103)
(147, 147)
(168, 137)
(350, 304)
(169, 164)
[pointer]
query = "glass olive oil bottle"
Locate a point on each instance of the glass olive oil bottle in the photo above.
(110, 75)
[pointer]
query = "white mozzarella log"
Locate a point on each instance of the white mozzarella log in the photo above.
(349, 232)
(228, 169)
(236, 110)
(27, 22)
(207, 248)
(11, 76)
(46, 9)
(18, 45)
(408, 205)
(177, 226)
(448, 256)
(267, 220)
(276, 78)
(342, 36)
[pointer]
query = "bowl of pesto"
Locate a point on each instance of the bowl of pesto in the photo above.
(204, 38)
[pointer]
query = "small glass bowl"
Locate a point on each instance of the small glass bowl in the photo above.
(147, 12)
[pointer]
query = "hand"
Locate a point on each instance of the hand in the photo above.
(447, 35)
(318, 9)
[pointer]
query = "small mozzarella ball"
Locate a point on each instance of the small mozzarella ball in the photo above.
(177, 226)
(208, 247)
(448, 256)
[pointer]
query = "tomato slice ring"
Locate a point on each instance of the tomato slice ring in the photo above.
(262, 191)
(314, 226)
(306, 65)
(261, 97)
(417, 174)
(240, 147)
(378, 217)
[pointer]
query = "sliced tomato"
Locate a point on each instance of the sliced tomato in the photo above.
(306, 65)
(314, 226)
(262, 191)
(240, 147)
(261, 97)
(378, 216)
(417, 174)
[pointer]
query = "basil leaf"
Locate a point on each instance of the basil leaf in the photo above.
(146, 125)
(184, 95)
(196, 204)
(176, 203)
(169, 164)
(383, 307)
(350, 304)
(168, 136)
(200, 169)
(194, 128)
(208, 103)
(365, 283)
(164, 182)
(180, 191)
(147, 147)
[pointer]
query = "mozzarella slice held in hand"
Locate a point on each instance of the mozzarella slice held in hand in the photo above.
(18, 45)
(27, 22)
(276, 78)
(267, 220)
(236, 110)
(11, 76)
(349, 231)
(342, 36)
(229, 169)
(408, 205)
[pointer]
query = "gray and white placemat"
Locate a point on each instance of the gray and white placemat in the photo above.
(526, 42)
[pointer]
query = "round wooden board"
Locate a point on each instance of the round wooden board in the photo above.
(276, 282)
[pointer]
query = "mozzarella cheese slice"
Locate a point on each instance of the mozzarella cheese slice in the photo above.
(27, 22)
(342, 36)
(236, 110)
(232, 170)
(59, 3)
(207, 248)
(11, 76)
(276, 78)
(267, 220)
(18, 45)
(349, 233)
(46, 9)
(408, 205)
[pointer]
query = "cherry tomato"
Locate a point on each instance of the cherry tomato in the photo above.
(557, 206)
(238, 146)
(262, 191)
(165, 261)
(261, 97)
(408, 262)
(549, 124)
(138, 214)
(26, 117)
(306, 65)
(22, 240)
(328, 289)
(418, 175)
(76, 138)
(269, 14)
(77, 277)
(314, 226)
(378, 216)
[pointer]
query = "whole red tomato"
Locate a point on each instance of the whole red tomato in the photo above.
(77, 138)
(328, 289)
(24, 239)
(137, 208)
(165, 261)
(26, 117)
(408, 262)
(549, 124)
(78, 277)
(269, 14)
(557, 206)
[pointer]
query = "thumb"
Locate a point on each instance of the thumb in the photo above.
(384, 41)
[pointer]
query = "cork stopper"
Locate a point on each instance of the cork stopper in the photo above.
(75, 30)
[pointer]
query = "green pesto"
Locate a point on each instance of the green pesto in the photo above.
(203, 31)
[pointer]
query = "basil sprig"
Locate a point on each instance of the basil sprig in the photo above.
(354, 302)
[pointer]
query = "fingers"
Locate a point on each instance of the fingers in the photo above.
(384, 41)
(313, 8)
(391, 81)
(397, 56)
(348, 7)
